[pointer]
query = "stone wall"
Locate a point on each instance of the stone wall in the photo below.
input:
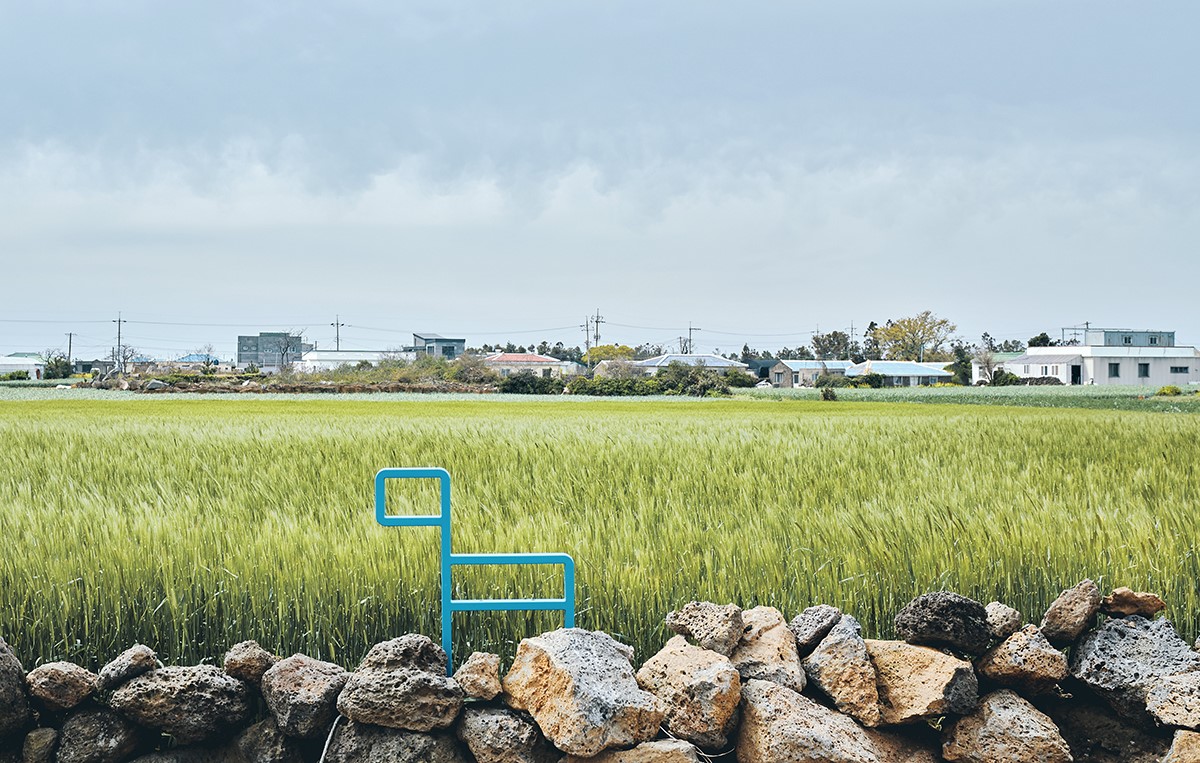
(1097, 679)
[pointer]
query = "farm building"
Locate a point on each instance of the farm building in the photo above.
(436, 344)
(328, 360)
(901, 373)
(653, 365)
(804, 373)
(34, 366)
(271, 350)
(511, 363)
(1113, 356)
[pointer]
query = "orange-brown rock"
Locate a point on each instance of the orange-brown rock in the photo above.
(701, 688)
(919, 682)
(1123, 602)
(1025, 661)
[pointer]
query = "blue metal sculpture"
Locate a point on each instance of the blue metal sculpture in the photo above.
(449, 559)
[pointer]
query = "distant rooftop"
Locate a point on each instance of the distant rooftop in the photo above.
(708, 360)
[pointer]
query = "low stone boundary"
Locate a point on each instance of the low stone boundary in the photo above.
(1097, 679)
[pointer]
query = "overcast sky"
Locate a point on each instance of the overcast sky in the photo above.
(499, 169)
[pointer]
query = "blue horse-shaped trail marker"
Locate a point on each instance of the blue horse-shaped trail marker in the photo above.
(450, 560)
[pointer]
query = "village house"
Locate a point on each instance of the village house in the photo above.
(804, 373)
(1113, 356)
(512, 363)
(901, 373)
(33, 365)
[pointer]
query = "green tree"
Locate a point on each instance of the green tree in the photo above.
(870, 345)
(961, 367)
(834, 345)
(918, 337)
(609, 352)
(1042, 340)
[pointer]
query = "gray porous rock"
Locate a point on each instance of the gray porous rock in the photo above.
(945, 619)
(40, 746)
(781, 725)
(702, 690)
(1125, 657)
(302, 694)
(767, 650)
(15, 714)
(224, 754)
(1002, 620)
(717, 627)
(362, 743)
(60, 686)
(402, 684)
(249, 662)
(191, 703)
(1096, 734)
(580, 689)
(1025, 661)
(841, 668)
(1005, 728)
(1175, 700)
(501, 735)
(265, 742)
(658, 751)
(479, 676)
(96, 736)
(1071, 613)
(131, 663)
(812, 625)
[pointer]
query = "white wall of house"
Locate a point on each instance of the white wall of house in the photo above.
(35, 368)
(1139, 366)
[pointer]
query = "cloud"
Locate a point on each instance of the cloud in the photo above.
(1027, 234)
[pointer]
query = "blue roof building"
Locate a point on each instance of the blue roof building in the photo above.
(901, 373)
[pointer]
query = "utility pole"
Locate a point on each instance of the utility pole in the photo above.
(587, 339)
(337, 331)
(691, 348)
(70, 339)
(120, 359)
(596, 321)
(849, 342)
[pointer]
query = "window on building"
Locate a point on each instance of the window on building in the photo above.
(1143, 370)
(1179, 369)
(1114, 370)
(1026, 370)
(796, 380)
(779, 377)
(1153, 340)
(1045, 370)
(546, 373)
(1054, 370)
(1128, 340)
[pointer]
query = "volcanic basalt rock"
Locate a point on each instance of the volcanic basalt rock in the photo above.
(580, 688)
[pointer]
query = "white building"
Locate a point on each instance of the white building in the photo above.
(35, 367)
(512, 363)
(717, 363)
(1113, 356)
(328, 360)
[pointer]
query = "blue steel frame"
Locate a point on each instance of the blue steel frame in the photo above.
(449, 559)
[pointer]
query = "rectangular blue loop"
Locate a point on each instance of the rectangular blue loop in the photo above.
(441, 519)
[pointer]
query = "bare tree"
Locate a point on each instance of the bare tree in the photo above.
(986, 359)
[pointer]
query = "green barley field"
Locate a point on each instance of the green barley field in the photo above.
(192, 523)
